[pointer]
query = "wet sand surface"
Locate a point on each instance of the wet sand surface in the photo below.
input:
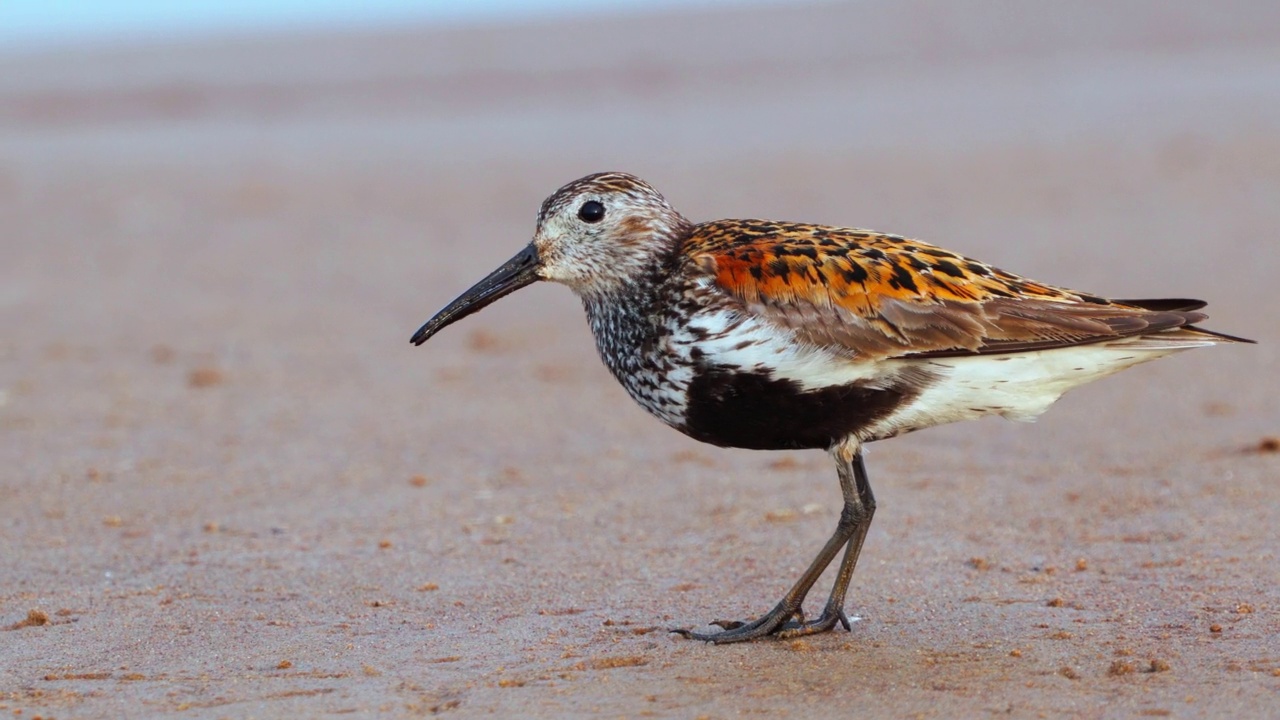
(229, 487)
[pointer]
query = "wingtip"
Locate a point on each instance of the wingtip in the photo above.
(1224, 336)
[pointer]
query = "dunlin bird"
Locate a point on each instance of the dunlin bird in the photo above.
(772, 336)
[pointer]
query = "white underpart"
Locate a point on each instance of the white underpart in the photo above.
(1017, 386)
(755, 345)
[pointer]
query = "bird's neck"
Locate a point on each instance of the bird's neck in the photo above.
(624, 318)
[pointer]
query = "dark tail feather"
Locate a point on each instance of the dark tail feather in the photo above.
(1164, 304)
(1182, 305)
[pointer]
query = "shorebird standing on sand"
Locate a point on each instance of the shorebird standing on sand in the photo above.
(783, 336)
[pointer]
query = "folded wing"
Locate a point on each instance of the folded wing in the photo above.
(879, 296)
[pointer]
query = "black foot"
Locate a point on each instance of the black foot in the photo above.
(779, 622)
(775, 621)
(826, 623)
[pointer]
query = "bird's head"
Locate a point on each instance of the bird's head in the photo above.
(598, 235)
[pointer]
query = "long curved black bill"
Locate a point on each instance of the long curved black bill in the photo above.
(514, 274)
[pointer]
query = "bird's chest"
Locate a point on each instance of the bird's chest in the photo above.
(654, 354)
(658, 342)
(727, 378)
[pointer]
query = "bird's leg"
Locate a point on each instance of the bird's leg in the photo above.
(850, 530)
(833, 611)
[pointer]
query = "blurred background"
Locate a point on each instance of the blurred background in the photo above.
(220, 222)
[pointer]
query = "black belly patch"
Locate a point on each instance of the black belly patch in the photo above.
(758, 412)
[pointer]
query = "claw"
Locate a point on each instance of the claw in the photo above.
(844, 620)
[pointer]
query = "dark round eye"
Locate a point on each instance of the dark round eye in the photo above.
(592, 211)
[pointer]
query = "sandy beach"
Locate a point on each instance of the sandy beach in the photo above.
(231, 488)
